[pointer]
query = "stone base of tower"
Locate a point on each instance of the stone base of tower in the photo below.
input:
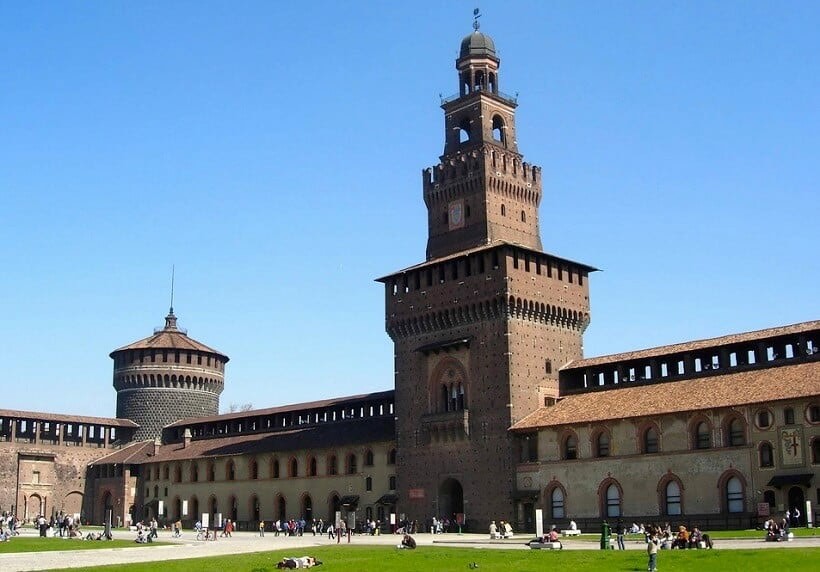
(154, 408)
(448, 481)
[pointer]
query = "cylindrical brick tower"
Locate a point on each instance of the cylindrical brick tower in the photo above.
(167, 377)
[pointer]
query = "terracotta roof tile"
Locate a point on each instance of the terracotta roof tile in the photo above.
(695, 345)
(128, 454)
(465, 253)
(729, 390)
(336, 434)
(172, 340)
(60, 418)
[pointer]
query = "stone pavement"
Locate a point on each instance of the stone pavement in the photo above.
(242, 542)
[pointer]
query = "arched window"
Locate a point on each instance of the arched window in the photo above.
(312, 469)
(253, 470)
(613, 501)
(766, 455)
(178, 473)
(557, 503)
(523, 216)
(672, 498)
(211, 471)
(734, 495)
(503, 210)
(293, 468)
(602, 444)
(230, 471)
(735, 434)
(499, 129)
(570, 448)
(274, 468)
(391, 457)
(815, 450)
(368, 458)
(194, 471)
(332, 465)
(368, 484)
(651, 442)
(351, 464)
(391, 482)
(703, 436)
(464, 130)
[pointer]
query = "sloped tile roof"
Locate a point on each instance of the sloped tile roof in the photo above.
(169, 338)
(695, 345)
(128, 454)
(482, 248)
(337, 434)
(729, 390)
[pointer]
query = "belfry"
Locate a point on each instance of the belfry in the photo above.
(483, 325)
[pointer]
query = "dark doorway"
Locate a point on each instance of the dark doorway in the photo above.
(797, 501)
(307, 509)
(450, 499)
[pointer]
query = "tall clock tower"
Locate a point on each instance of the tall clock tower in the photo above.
(481, 327)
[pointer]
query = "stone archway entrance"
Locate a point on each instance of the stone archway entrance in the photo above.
(450, 499)
(797, 500)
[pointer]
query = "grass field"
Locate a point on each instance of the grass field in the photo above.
(438, 559)
(37, 544)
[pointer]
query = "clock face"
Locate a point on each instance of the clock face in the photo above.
(455, 214)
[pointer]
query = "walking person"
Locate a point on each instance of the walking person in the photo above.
(619, 533)
(262, 528)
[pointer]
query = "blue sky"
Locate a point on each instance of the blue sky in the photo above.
(273, 153)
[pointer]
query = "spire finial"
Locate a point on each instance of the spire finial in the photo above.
(476, 16)
(173, 269)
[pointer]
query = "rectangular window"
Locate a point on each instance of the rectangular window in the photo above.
(788, 415)
(35, 478)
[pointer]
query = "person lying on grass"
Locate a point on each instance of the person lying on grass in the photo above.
(301, 562)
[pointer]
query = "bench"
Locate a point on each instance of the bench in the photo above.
(538, 545)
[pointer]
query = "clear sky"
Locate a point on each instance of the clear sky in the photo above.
(273, 151)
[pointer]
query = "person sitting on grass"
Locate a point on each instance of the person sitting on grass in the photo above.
(408, 542)
(301, 562)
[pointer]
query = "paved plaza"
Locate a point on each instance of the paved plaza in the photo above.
(244, 542)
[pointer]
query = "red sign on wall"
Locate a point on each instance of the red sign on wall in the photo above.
(415, 493)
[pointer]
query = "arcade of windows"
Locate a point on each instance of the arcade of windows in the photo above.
(275, 468)
(649, 439)
(670, 497)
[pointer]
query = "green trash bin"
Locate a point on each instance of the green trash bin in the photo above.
(604, 535)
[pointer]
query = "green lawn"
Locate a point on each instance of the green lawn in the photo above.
(37, 544)
(438, 559)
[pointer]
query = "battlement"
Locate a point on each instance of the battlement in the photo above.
(717, 356)
(487, 283)
(486, 159)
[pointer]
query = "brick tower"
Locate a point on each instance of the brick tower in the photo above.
(167, 377)
(482, 327)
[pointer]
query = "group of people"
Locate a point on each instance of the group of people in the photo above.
(9, 525)
(502, 530)
(777, 531)
(683, 538)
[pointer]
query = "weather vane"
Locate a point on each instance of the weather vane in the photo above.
(173, 268)
(476, 16)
